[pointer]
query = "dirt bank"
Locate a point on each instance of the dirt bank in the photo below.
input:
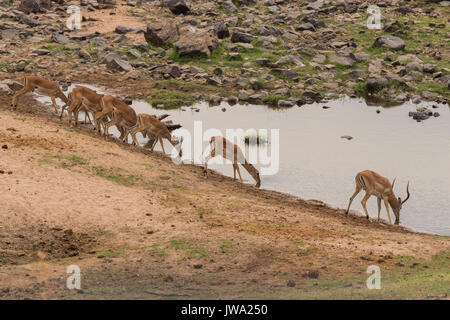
(140, 226)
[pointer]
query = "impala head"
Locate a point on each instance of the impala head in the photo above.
(255, 174)
(398, 207)
(178, 144)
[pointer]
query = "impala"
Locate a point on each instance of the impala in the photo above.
(42, 86)
(157, 130)
(82, 97)
(122, 116)
(380, 187)
(228, 150)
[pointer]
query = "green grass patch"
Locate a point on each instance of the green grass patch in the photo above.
(123, 179)
(169, 99)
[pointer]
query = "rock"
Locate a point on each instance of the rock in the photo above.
(427, 95)
(291, 283)
(59, 38)
(392, 26)
(360, 56)
(23, 18)
(135, 53)
(312, 95)
(290, 59)
(10, 34)
(41, 52)
(347, 61)
(125, 30)
(83, 53)
(319, 58)
(109, 57)
(318, 4)
(178, 6)
(390, 42)
(305, 26)
(269, 31)
(288, 73)
(34, 6)
(215, 100)
(285, 103)
(174, 71)
(222, 31)
(241, 36)
(159, 33)
(347, 137)
(355, 74)
(117, 64)
(408, 58)
(232, 100)
(228, 6)
(196, 42)
(376, 82)
(314, 20)
(420, 115)
(213, 81)
(429, 68)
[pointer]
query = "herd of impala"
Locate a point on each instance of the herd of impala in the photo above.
(110, 111)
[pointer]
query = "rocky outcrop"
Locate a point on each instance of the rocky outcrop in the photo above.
(390, 42)
(241, 36)
(178, 6)
(195, 41)
(160, 32)
(34, 6)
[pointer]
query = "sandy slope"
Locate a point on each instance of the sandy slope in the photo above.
(140, 226)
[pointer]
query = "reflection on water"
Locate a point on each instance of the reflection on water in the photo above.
(316, 163)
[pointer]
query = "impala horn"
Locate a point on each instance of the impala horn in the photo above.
(407, 193)
(393, 182)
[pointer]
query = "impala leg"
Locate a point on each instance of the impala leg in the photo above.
(162, 145)
(239, 172)
(155, 140)
(73, 107)
(358, 189)
(111, 123)
(364, 201)
(133, 135)
(386, 203)
(205, 166)
(234, 171)
(54, 104)
(379, 207)
(99, 116)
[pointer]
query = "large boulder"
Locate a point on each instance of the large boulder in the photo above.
(222, 30)
(195, 41)
(35, 6)
(241, 36)
(390, 42)
(228, 6)
(117, 64)
(376, 82)
(161, 32)
(346, 60)
(178, 6)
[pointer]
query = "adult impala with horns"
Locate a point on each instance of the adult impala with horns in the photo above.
(380, 187)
